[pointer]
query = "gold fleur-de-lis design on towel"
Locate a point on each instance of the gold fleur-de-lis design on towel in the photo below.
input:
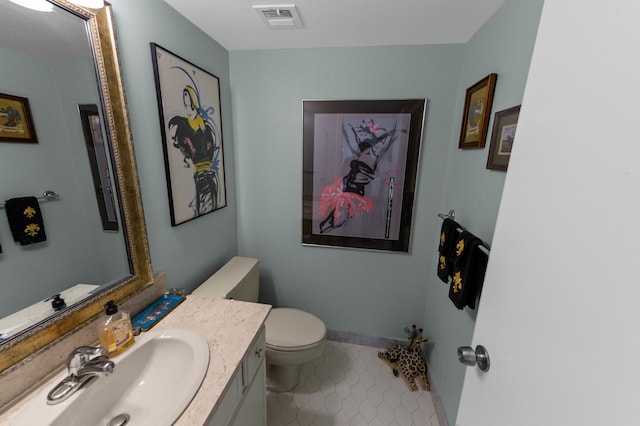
(460, 247)
(443, 262)
(29, 212)
(32, 229)
(442, 239)
(457, 282)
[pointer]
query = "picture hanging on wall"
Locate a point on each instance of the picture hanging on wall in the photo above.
(502, 137)
(16, 123)
(99, 162)
(360, 166)
(191, 125)
(477, 112)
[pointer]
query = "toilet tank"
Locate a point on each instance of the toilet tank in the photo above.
(238, 279)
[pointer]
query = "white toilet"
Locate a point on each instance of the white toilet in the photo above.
(293, 337)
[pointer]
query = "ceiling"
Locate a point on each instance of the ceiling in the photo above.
(340, 23)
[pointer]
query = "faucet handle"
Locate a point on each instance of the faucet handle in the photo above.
(81, 355)
(90, 350)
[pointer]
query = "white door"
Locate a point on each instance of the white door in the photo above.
(560, 310)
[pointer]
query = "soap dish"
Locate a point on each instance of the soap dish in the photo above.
(156, 311)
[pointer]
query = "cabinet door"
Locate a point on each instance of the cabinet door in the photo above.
(255, 357)
(228, 403)
(253, 409)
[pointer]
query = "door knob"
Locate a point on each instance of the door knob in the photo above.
(479, 357)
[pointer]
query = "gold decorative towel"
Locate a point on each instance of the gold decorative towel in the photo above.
(25, 220)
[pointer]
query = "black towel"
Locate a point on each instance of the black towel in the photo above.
(25, 220)
(446, 254)
(468, 271)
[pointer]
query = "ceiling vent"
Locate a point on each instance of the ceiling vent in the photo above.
(284, 16)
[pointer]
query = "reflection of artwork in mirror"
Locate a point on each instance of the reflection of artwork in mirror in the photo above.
(477, 111)
(189, 104)
(92, 128)
(16, 124)
(359, 172)
(502, 137)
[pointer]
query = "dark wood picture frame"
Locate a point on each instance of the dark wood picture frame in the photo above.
(502, 138)
(16, 122)
(98, 160)
(360, 167)
(191, 124)
(477, 111)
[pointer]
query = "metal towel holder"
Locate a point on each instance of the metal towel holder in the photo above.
(47, 195)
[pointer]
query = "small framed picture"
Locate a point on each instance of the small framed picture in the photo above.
(16, 123)
(477, 111)
(502, 136)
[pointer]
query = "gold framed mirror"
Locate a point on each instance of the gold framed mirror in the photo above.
(100, 31)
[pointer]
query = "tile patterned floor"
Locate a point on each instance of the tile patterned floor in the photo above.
(350, 386)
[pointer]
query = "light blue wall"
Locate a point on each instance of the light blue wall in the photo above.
(504, 46)
(369, 292)
(191, 251)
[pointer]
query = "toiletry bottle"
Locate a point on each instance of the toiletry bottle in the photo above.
(114, 330)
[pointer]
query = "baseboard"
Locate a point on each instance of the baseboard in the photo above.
(362, 339)
(437, 401)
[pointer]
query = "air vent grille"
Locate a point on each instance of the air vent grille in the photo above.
(277, 13)
(283, 16)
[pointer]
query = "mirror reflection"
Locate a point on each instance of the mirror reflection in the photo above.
(46, 57)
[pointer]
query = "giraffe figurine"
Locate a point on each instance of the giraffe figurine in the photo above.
(408, 360)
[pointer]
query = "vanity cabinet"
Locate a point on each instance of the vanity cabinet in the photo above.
(245, 401)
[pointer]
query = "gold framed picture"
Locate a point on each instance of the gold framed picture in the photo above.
(477, 111)
(16, 123)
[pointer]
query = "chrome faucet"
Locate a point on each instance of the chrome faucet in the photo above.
(84, 364)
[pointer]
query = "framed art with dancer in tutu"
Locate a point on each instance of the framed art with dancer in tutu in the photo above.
(360, 164)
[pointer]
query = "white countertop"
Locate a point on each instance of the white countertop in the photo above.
(228, 325)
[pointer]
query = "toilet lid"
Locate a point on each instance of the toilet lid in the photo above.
(290, 328)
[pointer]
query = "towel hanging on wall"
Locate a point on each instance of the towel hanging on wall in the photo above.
(469, 268)
(446, 254)
(25, 220)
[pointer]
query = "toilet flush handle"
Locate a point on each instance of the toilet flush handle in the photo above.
(259, 352)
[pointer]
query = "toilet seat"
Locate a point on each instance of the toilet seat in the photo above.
(289, 329)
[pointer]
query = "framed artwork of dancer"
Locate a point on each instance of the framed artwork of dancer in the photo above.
(360, 164)
(191, 125)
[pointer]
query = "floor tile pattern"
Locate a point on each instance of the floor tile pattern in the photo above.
(350, 386)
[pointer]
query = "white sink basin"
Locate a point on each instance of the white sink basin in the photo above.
(153, 383)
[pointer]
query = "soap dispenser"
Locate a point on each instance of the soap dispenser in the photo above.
(114, 330)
